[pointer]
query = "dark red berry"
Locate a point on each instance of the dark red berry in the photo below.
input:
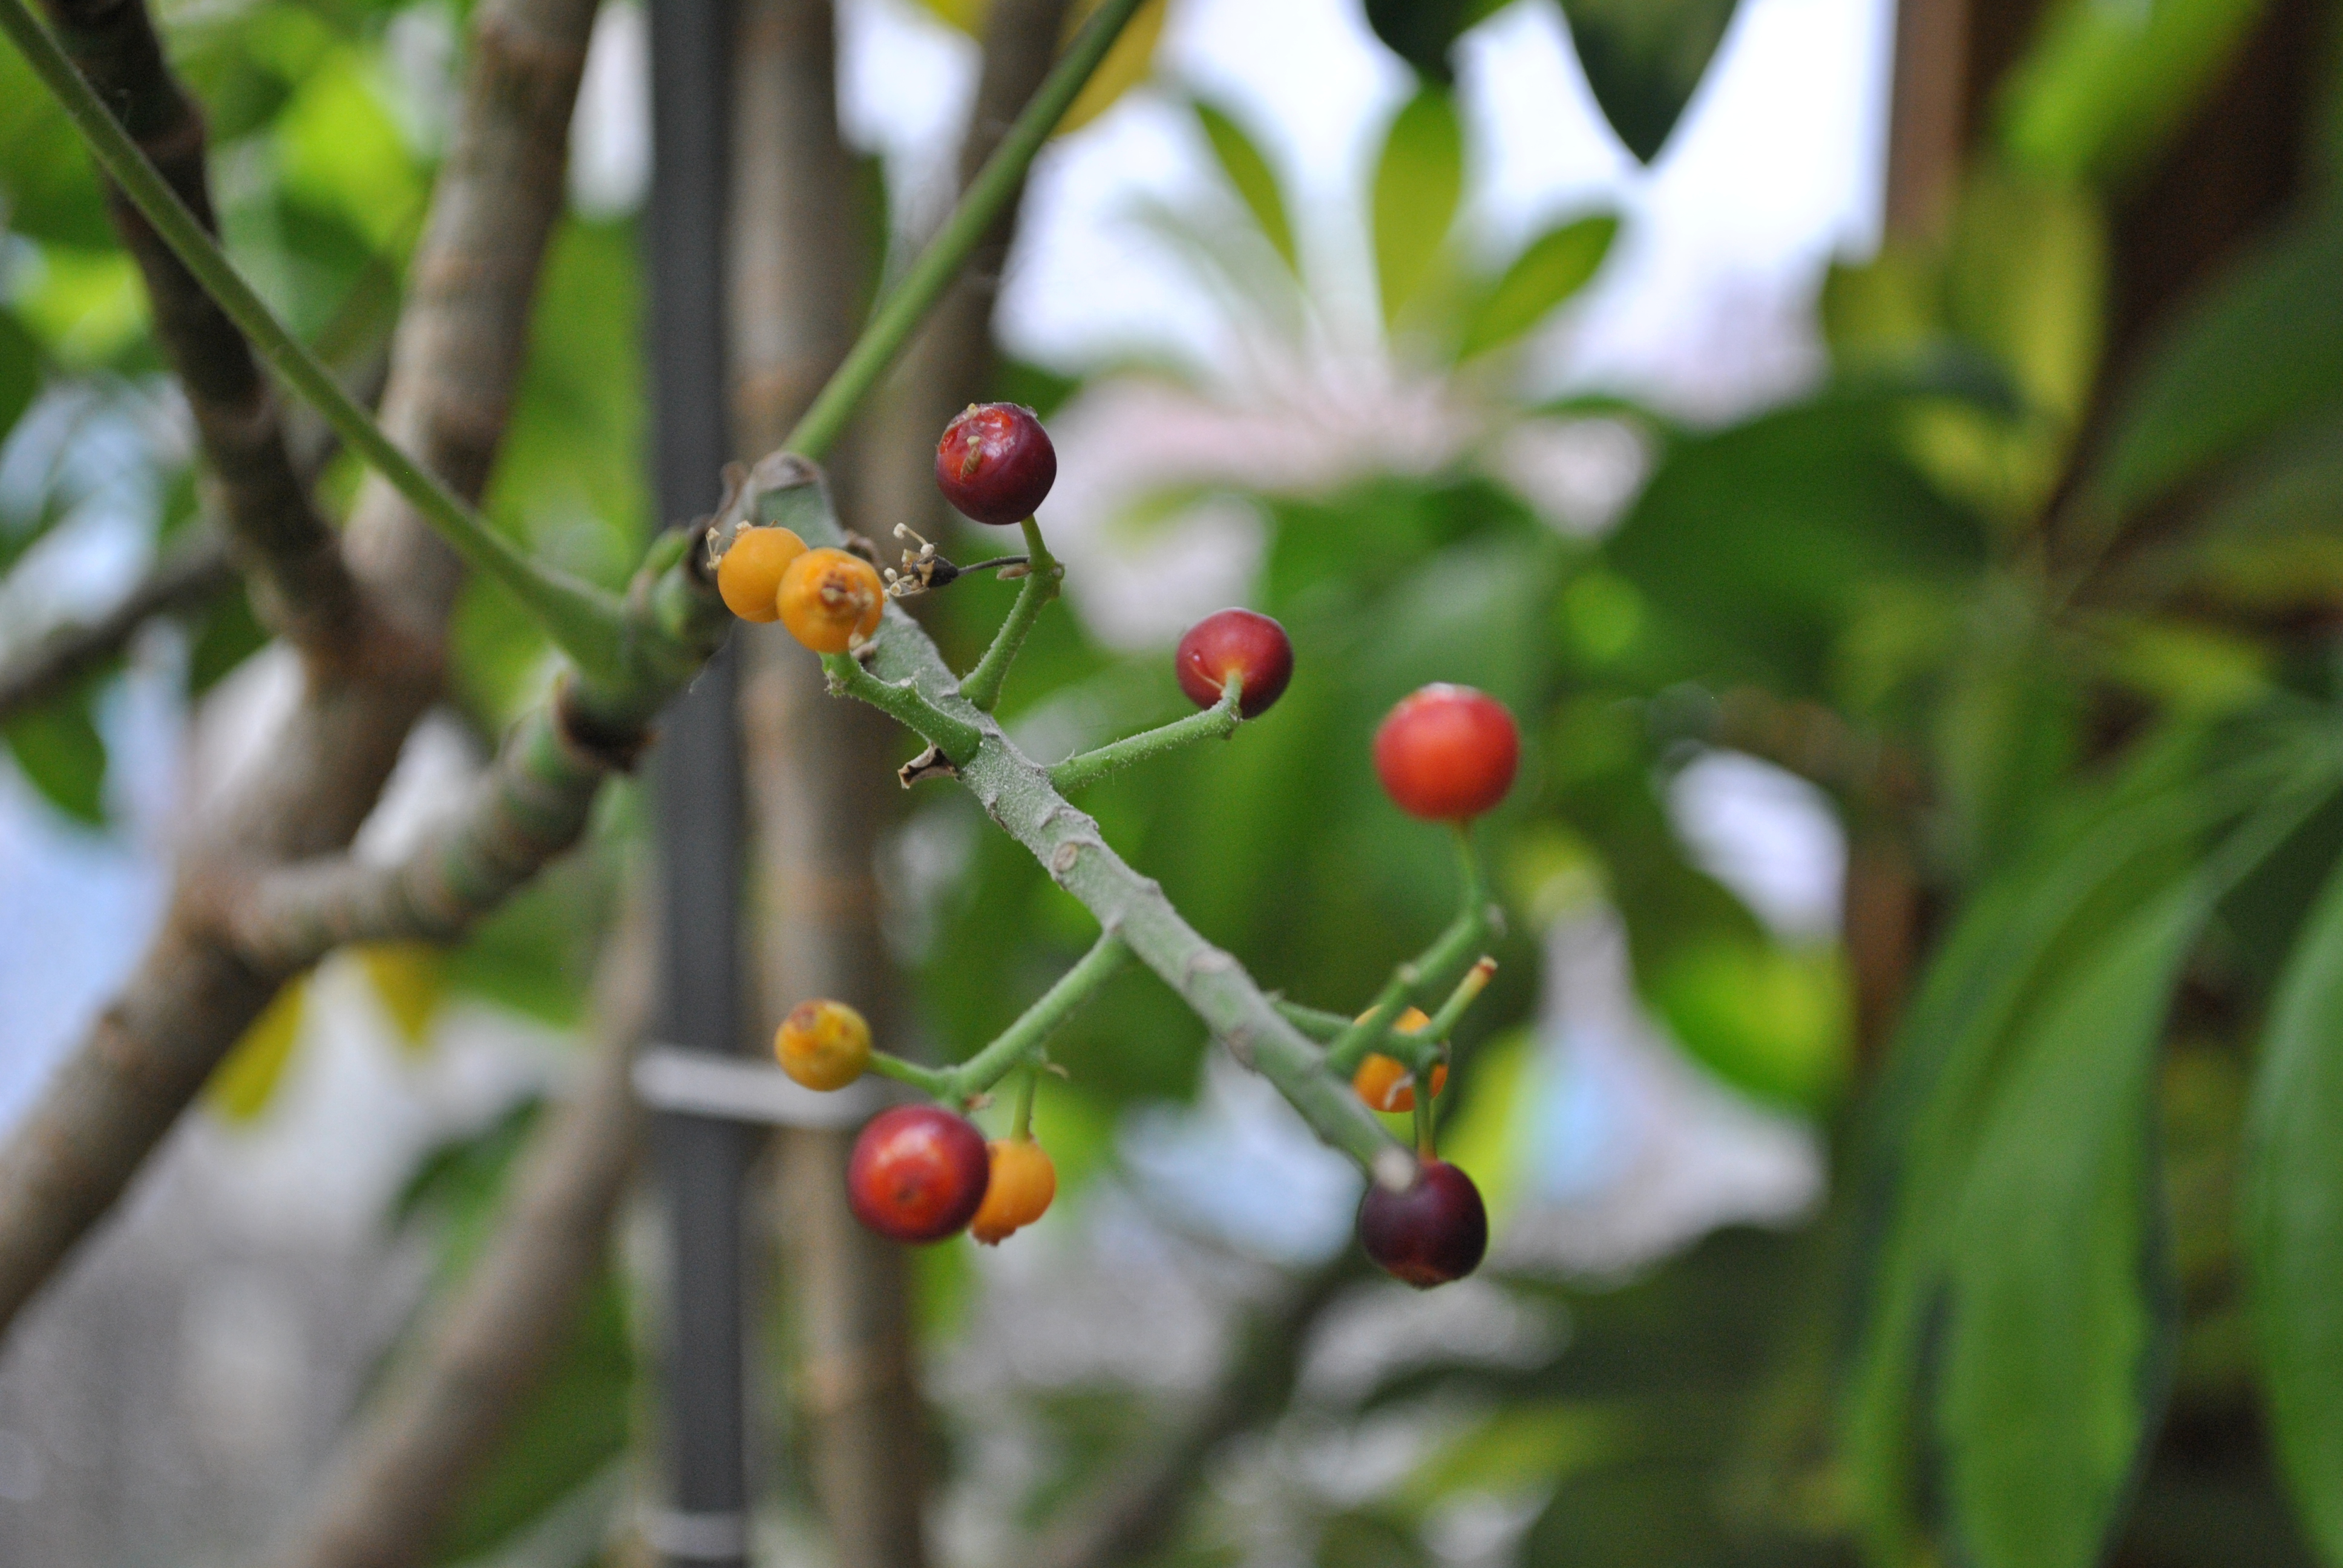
(1433, 1233)
(995, 463)
(1447, 753)
(1235, 642)
(917, 1173)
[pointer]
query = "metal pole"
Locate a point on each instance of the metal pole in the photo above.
(703, 1160)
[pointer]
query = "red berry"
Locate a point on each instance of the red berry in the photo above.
(995, 463)
(1447, 753)
(917, 1173)
(1433, 1233)
(1235, 642)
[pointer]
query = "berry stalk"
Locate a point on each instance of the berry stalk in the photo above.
(1373, 1032)
(1217, 722)
(1021, 1039)
(981, 686)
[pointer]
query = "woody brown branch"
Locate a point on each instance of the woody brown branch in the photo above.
(187, 578)
(450, 1400)
(305, 591)
(455, 362)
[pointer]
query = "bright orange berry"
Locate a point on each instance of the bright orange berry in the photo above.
(748, 576)
(823, 1044)
(1385, 1083)
(1023, 1182)
(831, 600)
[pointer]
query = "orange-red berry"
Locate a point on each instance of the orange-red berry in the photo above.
(831, 600)
(749, 577)
(1239, 642)
(1434, 1232)
(917, 1173)
(995, 463)
(1022, 1184)
(823, 1044)
(1447, 753)
(1385, 1083)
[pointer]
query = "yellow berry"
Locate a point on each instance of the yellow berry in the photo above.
(1385, 1083)
(831, 600)
(823, 1044)
(748, 576)
(1023, 1182)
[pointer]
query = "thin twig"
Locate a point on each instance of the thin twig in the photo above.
(191, 576)
(1217, 722)
(981, 686)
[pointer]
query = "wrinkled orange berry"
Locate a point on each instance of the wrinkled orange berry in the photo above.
(823, 1044)
(1385, 1083)
(749, 577)
(831, 600)
(1023, 1182)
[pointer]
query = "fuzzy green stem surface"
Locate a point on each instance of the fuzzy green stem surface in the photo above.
(582, 620)
(899, 314)
(1315, 1021)
(1020, 1040)
(1217, 722)
(1022, 1129)
(981, 686)
(954, 736)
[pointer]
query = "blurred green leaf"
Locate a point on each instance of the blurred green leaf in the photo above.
(2058, 1295)
(1418, 180)
(61, 754)
(1769, 1022)
(2105, 85)
(1644, 59)
(20, 371)
(1421, 32)
(1250, 174)
(246, 1080)
(2260, 349)
(1763, 540)
(2269, 543)
(226, 633)
(1551, 269)
(2292, 1220)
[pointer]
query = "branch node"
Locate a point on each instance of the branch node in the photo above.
(930, 764)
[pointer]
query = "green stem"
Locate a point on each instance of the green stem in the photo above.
(1373, 1032)
(1214, 723)
(1023, 1128)
(995, 185)
(981, 686)
(1436, 1033)
(1425, 1147)
(1316, 1023)
(954, 736)
(1020, 1040)
(583, 620)
(927, 1079)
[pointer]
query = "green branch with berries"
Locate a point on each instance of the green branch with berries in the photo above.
(1447, 754)
(775, 553)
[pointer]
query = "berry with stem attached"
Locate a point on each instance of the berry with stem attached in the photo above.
(1385, 1082)
(749, 577)
(831, 601)
(1447, 753)
(995, 463)
(1240, 643)
(823, 1044)
(917, 1173)
(1434, 1232)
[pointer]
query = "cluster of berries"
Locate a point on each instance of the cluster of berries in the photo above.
(923, 1173)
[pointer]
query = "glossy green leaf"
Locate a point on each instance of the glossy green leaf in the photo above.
(2262, 349)
(1551, 269)
(2292, 1222)
(1418, 180)
(1254, 181)
(2056, 1301)
(58, 750)
(1644, 59)
(2105, 85)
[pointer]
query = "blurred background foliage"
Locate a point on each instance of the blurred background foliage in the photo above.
(2036, 584)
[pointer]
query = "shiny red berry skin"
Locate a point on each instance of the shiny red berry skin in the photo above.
(995, 463)
(1240, 642)
(1433, 1233)
(917, 1173)
(1447, 753)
